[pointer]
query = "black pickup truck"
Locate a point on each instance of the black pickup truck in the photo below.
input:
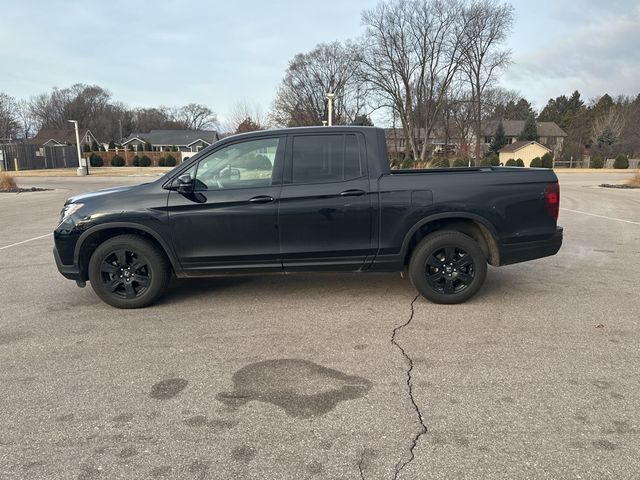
(300, 199)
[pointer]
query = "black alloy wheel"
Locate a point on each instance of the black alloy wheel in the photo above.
(129, 271)
(448, 267)
(125, 273)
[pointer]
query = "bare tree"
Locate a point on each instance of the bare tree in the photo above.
(9, 123)
(301, 98)
(488, 23)
(412, 51)
(607, 128)
(28, 122)
(245, 117)
(198, 117)
(88, 104)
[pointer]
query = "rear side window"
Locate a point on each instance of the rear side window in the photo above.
(326, 158)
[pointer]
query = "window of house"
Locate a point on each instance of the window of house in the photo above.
(326, 158)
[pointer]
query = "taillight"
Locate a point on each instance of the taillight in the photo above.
(552, 199)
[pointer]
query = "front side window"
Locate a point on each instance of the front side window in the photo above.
(326, 158)
(241, 165)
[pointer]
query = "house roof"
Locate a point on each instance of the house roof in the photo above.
(512, 128)
(174, 137)
(515, 146)
(60, 135)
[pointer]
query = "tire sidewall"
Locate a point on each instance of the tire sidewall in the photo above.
(155, 262)
(436, 241)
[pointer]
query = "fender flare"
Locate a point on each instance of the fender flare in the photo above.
(483, 222)
(133, 226)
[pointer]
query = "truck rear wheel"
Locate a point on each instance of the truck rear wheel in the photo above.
(129, 271)
(448, 267)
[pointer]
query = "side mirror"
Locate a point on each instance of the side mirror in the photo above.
(184, 183)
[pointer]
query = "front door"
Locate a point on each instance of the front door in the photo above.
(325, 208)
(229, 220)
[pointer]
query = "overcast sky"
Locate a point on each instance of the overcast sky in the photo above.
(218, 53)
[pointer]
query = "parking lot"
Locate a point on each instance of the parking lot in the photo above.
(326, 375)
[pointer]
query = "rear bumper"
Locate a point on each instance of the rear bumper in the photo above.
(522, 252)
(68, 271)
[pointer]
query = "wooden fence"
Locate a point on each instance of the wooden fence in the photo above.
(26, 156)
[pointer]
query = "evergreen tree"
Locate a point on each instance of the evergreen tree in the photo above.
(499, 139)
(529, 132)
(362, 120)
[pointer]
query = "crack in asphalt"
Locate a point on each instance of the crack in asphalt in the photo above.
(360, 463)
(423, 428)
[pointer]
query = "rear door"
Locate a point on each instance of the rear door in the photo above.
(325, 208)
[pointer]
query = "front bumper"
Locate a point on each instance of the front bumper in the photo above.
(68, 271)
(522, 252)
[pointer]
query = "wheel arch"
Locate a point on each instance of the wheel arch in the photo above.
(89, 241)
(475, 226)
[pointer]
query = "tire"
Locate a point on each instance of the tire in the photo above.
(448, 267)
(129, 271)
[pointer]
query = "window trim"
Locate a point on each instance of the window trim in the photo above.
(278, 164)
(288, 170)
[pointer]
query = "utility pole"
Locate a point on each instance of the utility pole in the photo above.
(81, 171)
(330, 97)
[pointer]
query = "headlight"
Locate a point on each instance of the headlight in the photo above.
(69, 210)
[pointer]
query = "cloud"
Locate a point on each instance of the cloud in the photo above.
(593, 51)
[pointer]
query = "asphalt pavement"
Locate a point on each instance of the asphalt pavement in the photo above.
(335, 376)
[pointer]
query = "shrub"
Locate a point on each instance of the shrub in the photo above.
(460, 162)
(510, 163)
(94, 146)
(95, 160)
(490, 160)
(145, 161)
(136, 161)
(162, 162)
(7, 183)
(170, 161)
(596, 162)
(147, 147)
(112, 145)
(547, 160)
(536, 163)
(439, 163)
(621, 162)
(86, 148)
(118, 161)
(519, 163)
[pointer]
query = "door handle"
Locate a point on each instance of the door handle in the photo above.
(352, 193)
(261, 199)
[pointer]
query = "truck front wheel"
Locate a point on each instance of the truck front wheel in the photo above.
(448, 267)
(129, 271)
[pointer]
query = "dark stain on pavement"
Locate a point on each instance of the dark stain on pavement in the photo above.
(315, 468)
(128, 452)
(217, 424)
(88, 472)
(122, 418)
(602, 444)
(168, 388)
(199, 468)
(601, 384)
(64, 418)
(160, 471)
(303, 389)
(11, 337)
(243, 453)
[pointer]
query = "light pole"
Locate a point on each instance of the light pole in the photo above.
(330, 97)
(81, 171)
